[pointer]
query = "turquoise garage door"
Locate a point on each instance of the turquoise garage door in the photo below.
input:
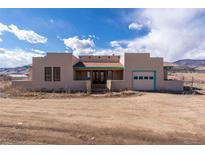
(143, 80)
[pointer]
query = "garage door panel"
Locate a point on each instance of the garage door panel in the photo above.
(143, 81)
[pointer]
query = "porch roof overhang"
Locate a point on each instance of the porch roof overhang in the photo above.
(168, 65)
(98, 66)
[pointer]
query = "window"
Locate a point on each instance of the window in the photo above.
(135, 77)
(151, 78)
(88, 75)
(48, 73)
(109, 75)
(56, 73)
(140, 77)
(102, 76)
(146, 77)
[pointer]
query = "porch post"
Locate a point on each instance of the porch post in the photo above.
(88, 86)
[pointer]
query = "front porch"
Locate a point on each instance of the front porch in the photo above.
(99, 74)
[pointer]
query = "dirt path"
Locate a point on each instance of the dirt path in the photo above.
(152, 118)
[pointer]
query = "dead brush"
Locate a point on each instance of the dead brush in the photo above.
(10, 91)
(4, 84)
(124, 93)
(129, 93)
(13, 91)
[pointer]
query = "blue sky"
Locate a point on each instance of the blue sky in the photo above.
(105, 24)
(170, 33)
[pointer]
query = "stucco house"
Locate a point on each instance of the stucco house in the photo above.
(132, 71)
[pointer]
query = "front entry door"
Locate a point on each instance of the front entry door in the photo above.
(99, 77)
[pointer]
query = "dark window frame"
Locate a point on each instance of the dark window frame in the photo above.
(136, 77)
(56, 74)
(146, 78)
(110, 75)
(151, 77)
(47, 74)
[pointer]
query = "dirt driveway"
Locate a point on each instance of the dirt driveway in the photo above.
(152, 118)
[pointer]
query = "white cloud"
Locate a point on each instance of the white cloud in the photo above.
(76, 43)
(3, 28)
(85, 46)
(38, 51)
(174, 34)
(16, 57)
(80, 46)
(135, 26)
(195, 54)
(26, 35)
(115, 44)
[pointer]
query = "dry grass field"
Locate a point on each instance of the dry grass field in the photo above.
(151, 118)
(197, 77)
(125, 118)
(191, 79)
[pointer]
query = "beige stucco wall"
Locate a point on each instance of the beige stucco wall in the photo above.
(63, 60)
(171, 85)
(142, 61)
(131, 61)
(23, 84)
(117, 75)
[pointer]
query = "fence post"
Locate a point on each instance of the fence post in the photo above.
(192, 83)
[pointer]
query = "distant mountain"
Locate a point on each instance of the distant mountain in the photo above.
(15, 70)
(190, 63)
(184, 64)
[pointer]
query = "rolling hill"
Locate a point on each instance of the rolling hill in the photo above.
(184, 64)
(190, 63)
(15, 70)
